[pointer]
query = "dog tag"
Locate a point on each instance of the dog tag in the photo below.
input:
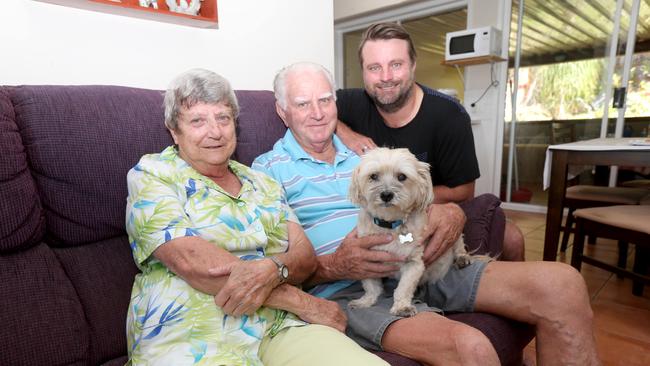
(408, 238)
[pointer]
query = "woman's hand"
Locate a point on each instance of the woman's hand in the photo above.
(248, 286)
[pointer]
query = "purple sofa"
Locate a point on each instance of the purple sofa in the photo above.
(66, 269)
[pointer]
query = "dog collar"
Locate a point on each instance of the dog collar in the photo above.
(387, 224)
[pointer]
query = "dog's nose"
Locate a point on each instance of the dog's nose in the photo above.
(386, 196)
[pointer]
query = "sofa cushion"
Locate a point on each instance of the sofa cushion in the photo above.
(102, 276)
(22, 221)
(259, 126)
(43, 322)
(81, 141)
(119, 361)
(485, 226)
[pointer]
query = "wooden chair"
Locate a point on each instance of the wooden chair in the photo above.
(645, 200)
(637, 183)
(585, 196)
(627, 224)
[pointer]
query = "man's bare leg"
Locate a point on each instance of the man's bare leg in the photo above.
(513, 244)
(432, 339)
(550, 295)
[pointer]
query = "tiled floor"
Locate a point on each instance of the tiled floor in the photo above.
(621, 320)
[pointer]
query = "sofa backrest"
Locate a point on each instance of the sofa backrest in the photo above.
(66, 269)
(22, 222)
(79, 142)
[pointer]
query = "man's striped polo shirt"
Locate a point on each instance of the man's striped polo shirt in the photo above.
(318, 194)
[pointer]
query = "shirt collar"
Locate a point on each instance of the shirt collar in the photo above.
(296, 151)
(248, 184)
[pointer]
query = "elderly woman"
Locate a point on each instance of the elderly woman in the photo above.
(190, 210)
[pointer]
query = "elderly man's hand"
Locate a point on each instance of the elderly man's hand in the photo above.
(445, 225)
(249, 284)
(355, 260)
(325, 312)
(355, 141)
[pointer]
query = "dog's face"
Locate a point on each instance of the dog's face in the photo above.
(390, 183)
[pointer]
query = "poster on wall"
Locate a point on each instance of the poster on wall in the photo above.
(195, 13)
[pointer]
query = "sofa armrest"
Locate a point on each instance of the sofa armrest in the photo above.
(485, 226)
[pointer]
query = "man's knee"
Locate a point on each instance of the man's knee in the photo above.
(513, 243)
(452, 342)
(471, 346)
(563, 291)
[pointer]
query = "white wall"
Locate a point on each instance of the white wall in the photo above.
(51, 44)
(349, 8)
(488, 133)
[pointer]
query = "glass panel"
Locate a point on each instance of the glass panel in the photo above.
(637, 110)
(352, 77)
(561, 92)
(429, 38)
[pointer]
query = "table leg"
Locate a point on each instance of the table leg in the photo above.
(556, 193)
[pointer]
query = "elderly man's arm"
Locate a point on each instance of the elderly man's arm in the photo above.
(355, 141)
(355, 260)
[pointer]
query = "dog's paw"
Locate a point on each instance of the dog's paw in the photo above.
(360, 303)
(463, 261)
(405, 311)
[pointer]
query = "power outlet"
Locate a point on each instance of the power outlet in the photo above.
(469, 101)
(473, 110)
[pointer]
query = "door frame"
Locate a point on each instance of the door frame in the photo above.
(402, 13)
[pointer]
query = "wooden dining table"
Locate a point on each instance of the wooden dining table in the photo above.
(602, 151)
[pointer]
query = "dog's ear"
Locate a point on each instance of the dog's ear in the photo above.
(354, 192)
(425, 185)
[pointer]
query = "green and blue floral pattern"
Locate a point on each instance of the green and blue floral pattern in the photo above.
(169, 322)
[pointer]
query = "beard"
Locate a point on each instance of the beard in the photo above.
(390, 103)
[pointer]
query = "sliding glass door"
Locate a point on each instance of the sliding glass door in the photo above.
(584, 72)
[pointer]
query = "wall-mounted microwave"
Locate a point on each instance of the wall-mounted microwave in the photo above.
(477, 42)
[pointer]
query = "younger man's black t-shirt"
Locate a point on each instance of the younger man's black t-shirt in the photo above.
(440, 134)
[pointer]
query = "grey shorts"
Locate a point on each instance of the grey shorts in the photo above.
(456, 292)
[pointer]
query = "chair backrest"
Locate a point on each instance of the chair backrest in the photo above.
(630, 217)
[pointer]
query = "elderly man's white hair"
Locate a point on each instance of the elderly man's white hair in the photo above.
(280, 81)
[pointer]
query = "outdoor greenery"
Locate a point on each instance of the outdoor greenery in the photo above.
(574, 90)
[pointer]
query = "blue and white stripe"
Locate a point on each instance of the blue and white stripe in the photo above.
(317, 193)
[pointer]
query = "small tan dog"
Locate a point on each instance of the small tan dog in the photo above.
(393, 190)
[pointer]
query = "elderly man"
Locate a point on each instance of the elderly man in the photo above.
(314, 167)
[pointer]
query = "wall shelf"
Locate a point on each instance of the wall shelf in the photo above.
(473, 61)
(207, 17)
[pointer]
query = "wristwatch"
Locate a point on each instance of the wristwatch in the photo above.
(283, 270)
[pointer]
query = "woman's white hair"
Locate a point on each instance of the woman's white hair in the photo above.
(197, 86)
(280, 81)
